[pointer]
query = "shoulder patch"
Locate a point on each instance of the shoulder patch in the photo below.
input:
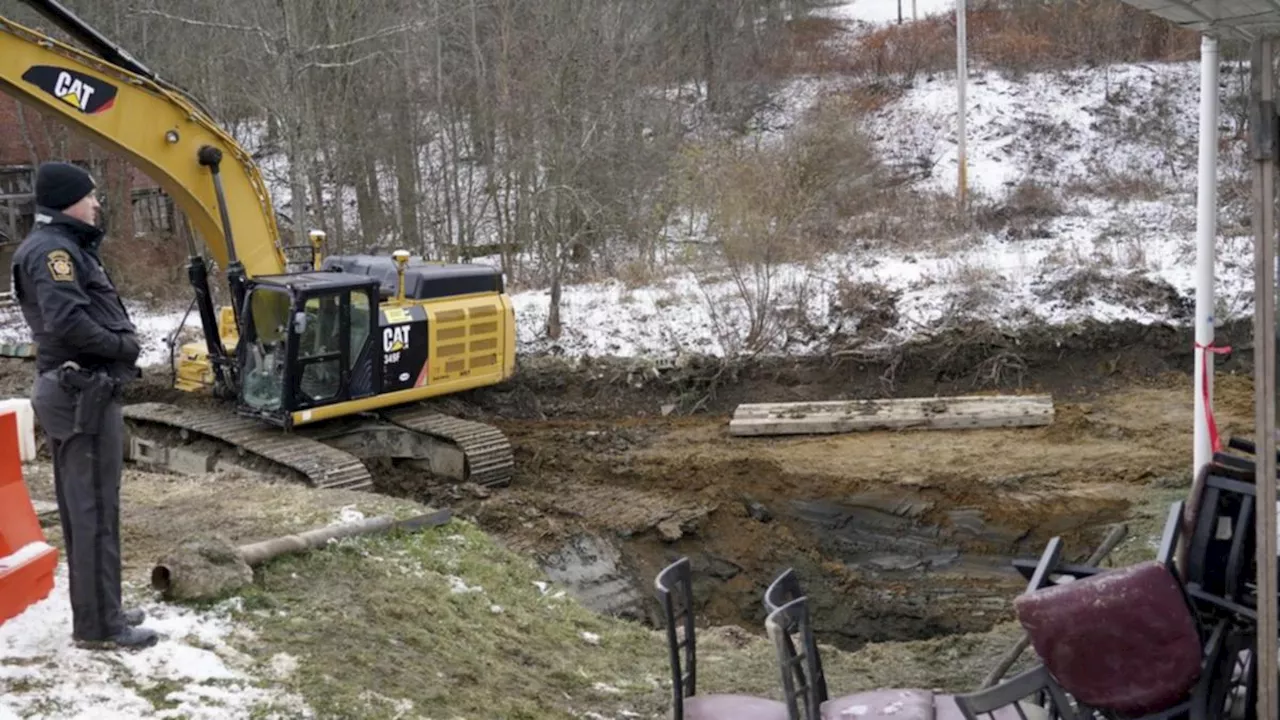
(60, 266)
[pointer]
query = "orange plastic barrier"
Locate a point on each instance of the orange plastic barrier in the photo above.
(29, 579)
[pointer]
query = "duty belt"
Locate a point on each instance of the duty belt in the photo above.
(93, 391)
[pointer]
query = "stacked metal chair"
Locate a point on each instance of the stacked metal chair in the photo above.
(1130, 642)
(1030, 696)
(1168, 639)
(674, 589)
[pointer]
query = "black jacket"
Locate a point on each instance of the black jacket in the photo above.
(69, 302)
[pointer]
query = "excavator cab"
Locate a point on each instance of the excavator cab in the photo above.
(306, 342)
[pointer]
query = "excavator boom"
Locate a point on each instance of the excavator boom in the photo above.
(89, 37)
(159, 129)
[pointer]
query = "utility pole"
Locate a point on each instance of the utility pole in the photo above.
(899, 12)
(962, 73)
(1263, 147)
(914, 16)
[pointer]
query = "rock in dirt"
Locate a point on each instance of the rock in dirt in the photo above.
(591, 567)
(201, 568)
(669, 530)
(757, 511)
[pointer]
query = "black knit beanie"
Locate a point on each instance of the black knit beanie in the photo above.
(61, 185)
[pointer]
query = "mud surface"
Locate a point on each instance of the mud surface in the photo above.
(623, 466)
(895, 535)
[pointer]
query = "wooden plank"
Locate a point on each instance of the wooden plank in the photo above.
(940, 413)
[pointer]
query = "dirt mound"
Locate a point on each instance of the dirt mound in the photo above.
(1075, 362)
(896, 536)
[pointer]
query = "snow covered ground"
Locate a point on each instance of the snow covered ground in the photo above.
(880, 12)
(153, 327)
(1101, 122)
(194, 669)
(1103, 254)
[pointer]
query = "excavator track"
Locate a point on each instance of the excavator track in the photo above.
(490, 460)
(321, 465)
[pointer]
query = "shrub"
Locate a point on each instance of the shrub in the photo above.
(1024, 36)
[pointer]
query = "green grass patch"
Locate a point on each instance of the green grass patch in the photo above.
(1146, 522)
(447, 623)
(158, 693)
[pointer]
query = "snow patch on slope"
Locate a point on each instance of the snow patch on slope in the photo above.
(193, 669)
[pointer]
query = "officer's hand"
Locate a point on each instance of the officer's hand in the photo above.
(129, 348)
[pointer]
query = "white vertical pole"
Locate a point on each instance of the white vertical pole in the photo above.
(962, 73)
(914, 16)
(1206, 234)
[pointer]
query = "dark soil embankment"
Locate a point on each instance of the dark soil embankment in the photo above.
(1071, 363)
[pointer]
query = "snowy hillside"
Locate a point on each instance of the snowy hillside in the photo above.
(1112, 159)
(880, 12)
(1083, 189)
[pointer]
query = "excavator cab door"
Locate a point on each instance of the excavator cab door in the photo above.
(307, 343)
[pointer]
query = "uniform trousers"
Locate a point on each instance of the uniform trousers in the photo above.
(86, 470)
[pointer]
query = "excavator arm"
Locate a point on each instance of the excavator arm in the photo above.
(157, 128)
(117, 101)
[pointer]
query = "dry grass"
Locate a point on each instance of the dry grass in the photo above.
(1121, 185)
(811, 45)
(1022, 213)
(160, 510)
(148, 268)
(1129, 288)
(773, 205)
(1026, 36)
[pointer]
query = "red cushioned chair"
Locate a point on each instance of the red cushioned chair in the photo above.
(1128, 643)
(798, 662)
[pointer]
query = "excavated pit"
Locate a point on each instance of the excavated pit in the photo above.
(894, 535)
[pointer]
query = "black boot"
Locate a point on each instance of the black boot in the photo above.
(131, 638)
(134, 617)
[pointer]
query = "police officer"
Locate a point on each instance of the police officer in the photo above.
(87, 347)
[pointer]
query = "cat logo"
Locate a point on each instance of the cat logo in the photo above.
(86, 94)
(394, 340)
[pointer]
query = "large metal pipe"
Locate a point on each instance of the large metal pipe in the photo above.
(1206, 234)
(209, 568)
(1263, 139)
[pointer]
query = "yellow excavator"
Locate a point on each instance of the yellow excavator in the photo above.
(323, 370)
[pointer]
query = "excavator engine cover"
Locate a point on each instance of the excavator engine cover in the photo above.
(422, 280)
